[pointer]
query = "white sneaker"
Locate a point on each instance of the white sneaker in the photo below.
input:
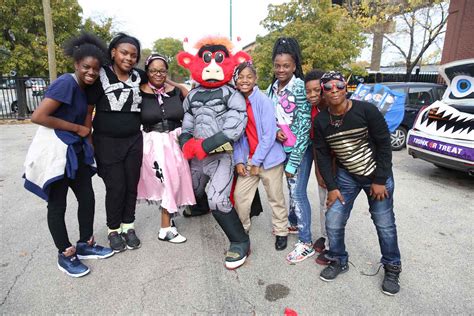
(301, 252)
(171, 234)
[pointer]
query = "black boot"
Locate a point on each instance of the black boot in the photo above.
(239, 240)
(391, 283)
(200, 208)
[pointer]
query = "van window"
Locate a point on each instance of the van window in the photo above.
(420, 96)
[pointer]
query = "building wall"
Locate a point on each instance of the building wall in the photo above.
(459, 40)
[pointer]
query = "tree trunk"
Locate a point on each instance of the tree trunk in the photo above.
(377, 44)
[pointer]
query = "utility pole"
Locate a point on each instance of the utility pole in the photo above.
(230, 5)
(48, 22)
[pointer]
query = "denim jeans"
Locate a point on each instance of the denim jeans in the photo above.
(381, 213)
(300, 209)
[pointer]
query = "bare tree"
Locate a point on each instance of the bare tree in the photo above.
(430, 19)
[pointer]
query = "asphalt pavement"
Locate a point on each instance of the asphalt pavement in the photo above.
(434, 213)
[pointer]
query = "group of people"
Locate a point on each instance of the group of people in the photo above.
(150, 145)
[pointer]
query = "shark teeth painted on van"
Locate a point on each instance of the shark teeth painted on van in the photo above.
(450, 123)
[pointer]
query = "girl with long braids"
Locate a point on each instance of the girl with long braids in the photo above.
(293, 115)
(61, 157)
(117, 138)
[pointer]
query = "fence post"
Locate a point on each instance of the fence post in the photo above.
(21, 98)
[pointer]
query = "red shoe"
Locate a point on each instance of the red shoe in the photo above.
(322, 260)
(319, 245)
(292, 230)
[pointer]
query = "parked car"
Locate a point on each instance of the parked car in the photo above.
(418, 95)
(443, 133)
(7, 84)
(31, 105)
(38, 86)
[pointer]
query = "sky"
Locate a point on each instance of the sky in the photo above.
(150, 20)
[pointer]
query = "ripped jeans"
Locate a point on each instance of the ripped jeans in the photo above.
(300, 209)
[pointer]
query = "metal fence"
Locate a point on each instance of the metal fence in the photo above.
(432, 77)
(31, 90)
(20, 96)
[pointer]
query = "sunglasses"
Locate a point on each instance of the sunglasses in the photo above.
(329, 86)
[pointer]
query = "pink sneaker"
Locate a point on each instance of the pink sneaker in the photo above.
(301, 252)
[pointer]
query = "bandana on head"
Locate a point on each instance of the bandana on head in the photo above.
(153, 57)
(332, 75)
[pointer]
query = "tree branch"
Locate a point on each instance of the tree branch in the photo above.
(396, 46)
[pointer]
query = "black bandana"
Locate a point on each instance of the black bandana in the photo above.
(332, 75)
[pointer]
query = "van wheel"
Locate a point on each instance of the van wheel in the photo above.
(399, 138)
(14, 106)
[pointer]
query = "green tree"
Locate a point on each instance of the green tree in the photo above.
(419, 26)
(170, 47)
(329, 38)
(145, 52)
(26, 51)
(104, 28)
(410, 27)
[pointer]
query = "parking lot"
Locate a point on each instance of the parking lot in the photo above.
(434, 213)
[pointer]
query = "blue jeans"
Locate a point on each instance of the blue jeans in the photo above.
(381, 213)
(300, 209)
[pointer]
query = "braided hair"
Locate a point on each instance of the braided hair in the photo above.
(290, 46)
(242, 66)
(86, 45)
(121, 38)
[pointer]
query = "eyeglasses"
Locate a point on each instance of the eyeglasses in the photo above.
(329, 86)
(156, 72)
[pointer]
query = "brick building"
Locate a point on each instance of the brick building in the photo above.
(459, 40)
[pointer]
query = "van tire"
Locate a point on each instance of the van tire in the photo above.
(398, 138)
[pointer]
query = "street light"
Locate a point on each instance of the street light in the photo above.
(230, 27)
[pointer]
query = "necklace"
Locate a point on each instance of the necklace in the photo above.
(338, 120)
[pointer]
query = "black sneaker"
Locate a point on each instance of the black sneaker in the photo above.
(391, 284)
(281, 242)
(116, 242)
(332, 271)
(131, 239)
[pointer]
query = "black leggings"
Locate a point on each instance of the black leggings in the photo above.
(82, 188)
